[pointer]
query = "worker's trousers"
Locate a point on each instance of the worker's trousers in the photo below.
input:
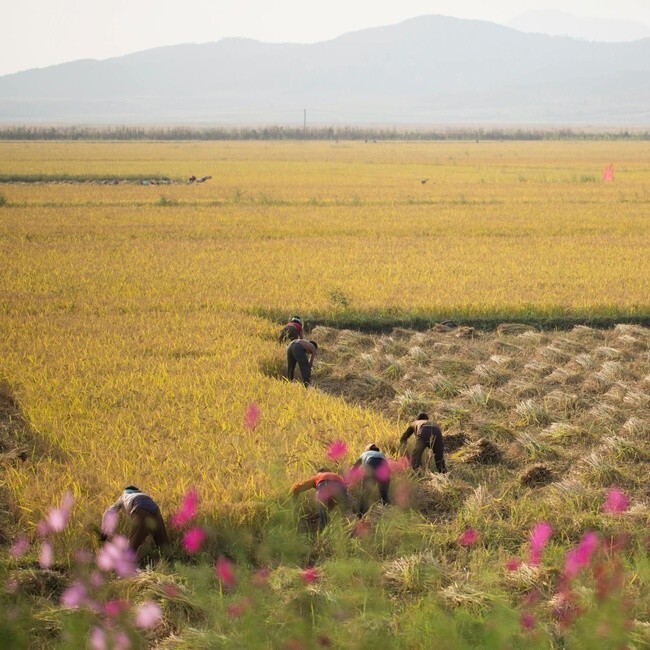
(429, 439)
(328, 495)
(145, 523)
(296, 354)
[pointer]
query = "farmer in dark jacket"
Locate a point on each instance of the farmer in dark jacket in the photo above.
(427, 435)
(376, 470)
(330, 489)
(292, 330)
(302, 353)
(144, 515)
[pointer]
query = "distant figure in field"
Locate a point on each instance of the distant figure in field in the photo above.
(330, 492)
(192, 179)
(424, 180)
(427, 435)
(301, 352)
(375, 471)
(203, 179)
(292, 330)
(144, 515)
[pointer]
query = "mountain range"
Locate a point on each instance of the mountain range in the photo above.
(423, 71)
(589, 28)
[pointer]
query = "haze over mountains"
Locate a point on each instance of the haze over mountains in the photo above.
(426, 70)
(560, 23)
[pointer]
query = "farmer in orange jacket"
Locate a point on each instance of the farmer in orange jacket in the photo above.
(331, 491)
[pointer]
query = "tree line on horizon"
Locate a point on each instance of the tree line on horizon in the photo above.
(310, 133)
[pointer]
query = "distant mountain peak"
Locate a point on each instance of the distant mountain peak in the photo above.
(588, 28)
(429, 70)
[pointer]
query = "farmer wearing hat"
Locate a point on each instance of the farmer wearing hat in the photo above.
(427, 435)
(144, 515)
(292, 330)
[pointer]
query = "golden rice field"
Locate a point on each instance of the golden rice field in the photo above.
(127, 312)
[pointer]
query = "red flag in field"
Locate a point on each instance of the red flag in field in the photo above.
(608, 173)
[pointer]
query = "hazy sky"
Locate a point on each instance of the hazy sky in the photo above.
(37, 33)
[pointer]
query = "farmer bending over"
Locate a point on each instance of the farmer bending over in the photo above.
(427, 434)
(330, 492)
(292, 330)
(297, 353)
(375, 471)
(144, 515)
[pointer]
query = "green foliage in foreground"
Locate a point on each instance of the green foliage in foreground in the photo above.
(391, 580)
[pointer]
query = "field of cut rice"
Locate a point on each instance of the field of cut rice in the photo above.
(139, 316)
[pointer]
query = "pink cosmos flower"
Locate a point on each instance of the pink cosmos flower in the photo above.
(117, 556)
(402, 495)
(188, 509)
(609, 577)
(12, 585)
(539, 537)
(362, 528)
(67, 501)
(527, 621)
(96, 579)
(57, 519)
(235, 610)
(19, 547)
(74, 596)
(109, 522)
(579, 557)
(83, 556)
(399, 465)
(113, 608)
(121, 641)
(172, 591)
(616, 502)
(383, 472)
(261, 577)
(43, 528)
(566, 609)
(468, 538)
(531, 598)
(310, 575)
(224, 570)
(148, 615)
(513, 564)
(98, 638)
(353, 475)
(337, 450)
(193, 539)
(46, 555)
(252, 416)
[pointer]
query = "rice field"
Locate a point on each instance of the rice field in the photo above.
(130, 338)
(139, 316)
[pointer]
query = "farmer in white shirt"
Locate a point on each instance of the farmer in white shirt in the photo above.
(375, 470)
(144, 515)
